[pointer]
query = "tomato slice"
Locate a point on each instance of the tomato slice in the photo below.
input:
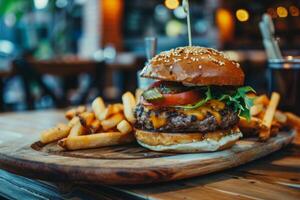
(182, 98)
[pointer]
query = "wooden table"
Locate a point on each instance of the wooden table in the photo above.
(70, 67)
(274, 177)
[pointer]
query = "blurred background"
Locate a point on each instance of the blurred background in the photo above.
(57, 53)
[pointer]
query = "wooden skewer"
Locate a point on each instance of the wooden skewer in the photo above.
(186, 8)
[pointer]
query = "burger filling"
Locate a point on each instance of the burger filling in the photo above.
(203, 119)
(175, 108)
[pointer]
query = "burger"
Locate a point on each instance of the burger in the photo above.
(195, 104)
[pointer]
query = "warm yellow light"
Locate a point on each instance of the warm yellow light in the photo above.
(282, 11)
(225, 23)
(294, 11)
(171, 4)
(242, 15)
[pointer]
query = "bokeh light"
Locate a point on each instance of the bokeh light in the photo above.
(242, 15)
(161, 13)
(282, 11)
(6, 46)
(40, 4)
(272, 12)
(201, 26)
(171, 4)
(174, 28)
(179, 13)
(294, 11)
(225, 23)
(61, 3)
(10, 19)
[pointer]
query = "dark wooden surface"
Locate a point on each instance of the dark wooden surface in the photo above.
(276, 176)
(129, 164)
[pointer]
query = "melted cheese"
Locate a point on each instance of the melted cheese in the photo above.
(215, 104)
(196, 113)
(158, 121)
(217, 116)
(212, 107)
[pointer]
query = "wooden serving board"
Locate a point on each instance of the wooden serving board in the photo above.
(130, 164)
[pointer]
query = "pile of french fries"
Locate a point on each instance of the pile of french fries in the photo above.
(107, 125)
(266, 120)
(100, 126)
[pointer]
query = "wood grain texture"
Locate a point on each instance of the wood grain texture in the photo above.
(274, 177)
(19, 153)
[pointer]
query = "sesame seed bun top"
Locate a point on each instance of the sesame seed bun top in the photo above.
(194, 66)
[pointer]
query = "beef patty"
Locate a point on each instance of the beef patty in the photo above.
(176, 121)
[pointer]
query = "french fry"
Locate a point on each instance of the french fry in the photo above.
(262, 99)
(70, 113)
(292, 120)
(95, 126)
(86, 119)
(58, 132)
(269, 115)
(118, 107)
(138, 94)
(98, 107)
(73, 121)
(124, 127)
(112, 121)
(264, 134)
(111, 110)
(77, 130)
(104, 114)
(256, 109)
(80, 109)
(95, 140)
(253, 123)
(253, 126)
(280, 117)
(261, 114)
(129, 105)
(75, 111)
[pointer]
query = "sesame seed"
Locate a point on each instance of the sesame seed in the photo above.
(193, 53)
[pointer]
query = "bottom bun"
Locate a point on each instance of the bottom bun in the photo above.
(188, 142)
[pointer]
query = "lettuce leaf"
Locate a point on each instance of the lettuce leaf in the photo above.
(237, 99)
